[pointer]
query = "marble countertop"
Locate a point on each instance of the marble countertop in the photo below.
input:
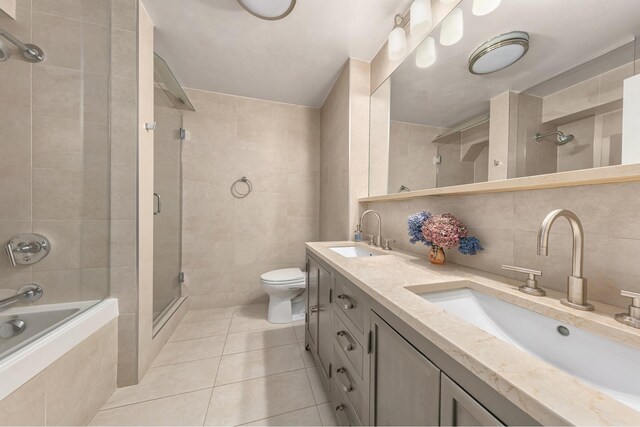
(546, 393)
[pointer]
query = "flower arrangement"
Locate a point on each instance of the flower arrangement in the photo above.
(439, 232)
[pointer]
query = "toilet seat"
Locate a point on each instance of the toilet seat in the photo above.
(284, 275)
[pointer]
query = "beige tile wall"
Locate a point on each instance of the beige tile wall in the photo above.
(228, 242)
(507, 223)
(345, 151)
(54, 150)
(72, 389)
(124, 141)
(411, 156)
(334, 161)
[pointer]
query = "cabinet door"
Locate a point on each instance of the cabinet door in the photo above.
(325, 313)
(458, 408)
(313, 277)
(405, 386)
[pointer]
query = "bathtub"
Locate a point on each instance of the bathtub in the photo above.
(50, 331)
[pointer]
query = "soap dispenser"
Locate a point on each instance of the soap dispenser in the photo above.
(357, 235)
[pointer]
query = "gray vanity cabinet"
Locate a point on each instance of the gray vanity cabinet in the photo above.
(319, 313)
(405, 385)
(458, 408)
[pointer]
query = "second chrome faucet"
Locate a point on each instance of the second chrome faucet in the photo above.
(576, 283)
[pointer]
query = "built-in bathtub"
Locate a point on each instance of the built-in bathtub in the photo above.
(50, 331)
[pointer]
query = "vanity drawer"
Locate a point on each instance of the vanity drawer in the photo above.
(350, 301)
(347, 343)
(347, 382)
(343, 410)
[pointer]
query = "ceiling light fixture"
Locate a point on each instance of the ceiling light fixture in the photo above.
(271, 10)
(484, 7)
(499, 52)
(420, 17)
(426, 53)
(397, 43)
(452, 28)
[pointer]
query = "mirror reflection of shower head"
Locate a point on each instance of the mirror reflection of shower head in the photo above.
(561, 138)
(4, 51)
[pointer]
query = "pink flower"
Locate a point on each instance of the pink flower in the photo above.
(444, 230)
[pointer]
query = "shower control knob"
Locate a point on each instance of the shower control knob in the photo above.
(12, 328)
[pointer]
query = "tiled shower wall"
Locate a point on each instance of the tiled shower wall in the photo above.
(507, 225)
(124, 142)
(54, 148)
(228, 243)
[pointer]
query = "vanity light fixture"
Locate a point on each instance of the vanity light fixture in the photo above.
(426, 53)
(484, 7)
(271, 10)
(421, 17)
(452, 28)
(447, 1)
(397, 43)
(499, 52)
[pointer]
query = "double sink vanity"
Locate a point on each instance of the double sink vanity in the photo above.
(398, 341)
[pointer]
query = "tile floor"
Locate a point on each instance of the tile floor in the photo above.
(226, 366)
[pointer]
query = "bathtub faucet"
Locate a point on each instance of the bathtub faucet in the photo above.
(29, 293)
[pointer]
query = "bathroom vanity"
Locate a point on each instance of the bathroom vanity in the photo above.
(389, 355)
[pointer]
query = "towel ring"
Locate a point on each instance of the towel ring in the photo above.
(239, 194)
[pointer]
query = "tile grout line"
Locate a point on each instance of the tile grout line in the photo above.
(215, 377)
(153, 399)
(284, 413)
(264, 376)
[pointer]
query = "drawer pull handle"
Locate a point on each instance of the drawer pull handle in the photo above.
(345, 302)
(342, 373)
(341, 412)
(315, 308)
(345, 346)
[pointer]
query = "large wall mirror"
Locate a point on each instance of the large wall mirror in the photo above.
(454, 112)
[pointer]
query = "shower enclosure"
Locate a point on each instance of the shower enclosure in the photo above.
(169, 99)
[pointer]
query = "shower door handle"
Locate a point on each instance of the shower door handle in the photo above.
(157, 196)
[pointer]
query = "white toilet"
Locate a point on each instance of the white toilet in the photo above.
(285, 288)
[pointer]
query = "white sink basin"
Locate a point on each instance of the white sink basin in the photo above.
(607, 365)
(353, 251)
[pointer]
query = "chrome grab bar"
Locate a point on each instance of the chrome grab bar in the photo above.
(30, 293)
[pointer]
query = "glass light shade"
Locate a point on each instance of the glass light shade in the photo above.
(397, 44)
(447, 1)
(426, 53)
(268, 9)
(484, 7)
(421, 19)
(452, 28)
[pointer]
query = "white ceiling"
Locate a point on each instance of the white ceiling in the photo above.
(216, 45)
(563, 34)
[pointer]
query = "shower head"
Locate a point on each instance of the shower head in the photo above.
(4, 51)
(561, 138)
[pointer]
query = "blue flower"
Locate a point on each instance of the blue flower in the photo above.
(415, 223)
(469, 245)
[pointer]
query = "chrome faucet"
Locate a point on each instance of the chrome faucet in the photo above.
(377, 239)
(576, 284)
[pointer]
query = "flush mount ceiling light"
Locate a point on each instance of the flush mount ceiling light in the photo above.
(397, 43)
(499, 52)
(271, 10)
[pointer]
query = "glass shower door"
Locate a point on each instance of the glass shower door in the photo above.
(167, 223)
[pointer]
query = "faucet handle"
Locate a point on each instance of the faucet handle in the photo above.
(386, 245)
(632, 318)
(371, 239)
(531, 286)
